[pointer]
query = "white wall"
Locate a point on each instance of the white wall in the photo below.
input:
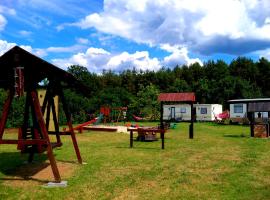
(212, 110)
(238, 117)
(234, 115)
(179, 111)
(207, 112)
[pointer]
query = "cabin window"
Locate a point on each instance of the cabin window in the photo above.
(238, 108)
(203, 111)
(183, 110)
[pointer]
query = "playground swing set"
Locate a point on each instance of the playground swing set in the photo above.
(20, 74)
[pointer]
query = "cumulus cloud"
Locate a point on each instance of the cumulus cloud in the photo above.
(197, 26)
(178, 56)
(94, 59)
(5, 11)
(140, 60)
(5, 46)
(3, 22)
(25, 33)
(265, 53)
(98, 59)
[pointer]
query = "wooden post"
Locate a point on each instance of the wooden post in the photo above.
(252, 124)
(44, 132)
(192, 122)
(131, 139)
(162, 139)
(69, 123)
(5, 112)
(56, 125)
(162, 126)
(48, 113)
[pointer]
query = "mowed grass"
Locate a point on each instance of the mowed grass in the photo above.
(221, 162)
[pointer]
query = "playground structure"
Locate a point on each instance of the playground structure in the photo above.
(186, 98)
(20, 74)
(106, 115)
(113, 114)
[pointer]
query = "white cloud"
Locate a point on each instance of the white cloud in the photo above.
(94, 59)
(138, 60)
(97, 60)
(25, 33)
(264, 53)
(178, 56)
(5, 11)
(5, 46)
(3, 22)
(197, 25)
(82, 40)
(66, 49)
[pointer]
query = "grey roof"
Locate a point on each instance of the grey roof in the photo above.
(249, 100)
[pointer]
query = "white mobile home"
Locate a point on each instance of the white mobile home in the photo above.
(182, 112)
(238, 112)
(207, 112)
(179, 112)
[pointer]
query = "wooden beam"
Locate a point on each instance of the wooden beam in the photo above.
(69, 123)
(44, 132)
(5, 112)
(55, 120)
(24, 142)
(191, 122)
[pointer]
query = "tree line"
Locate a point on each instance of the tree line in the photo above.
(214, 82)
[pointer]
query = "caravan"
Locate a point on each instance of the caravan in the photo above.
(207, 112)
(182, 112)
(177, 112)
(238, 112)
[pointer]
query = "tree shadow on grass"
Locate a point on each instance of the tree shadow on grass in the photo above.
(14, 166)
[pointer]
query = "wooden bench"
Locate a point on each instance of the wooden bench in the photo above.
(149, 134)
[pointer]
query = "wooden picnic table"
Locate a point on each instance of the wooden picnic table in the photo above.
(146, 130)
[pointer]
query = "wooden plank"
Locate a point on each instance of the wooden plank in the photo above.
(5, 113)
(24, 142)
(44, 132)
(131, 139)
(69, 123)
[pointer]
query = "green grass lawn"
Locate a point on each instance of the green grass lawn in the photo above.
(221, 162)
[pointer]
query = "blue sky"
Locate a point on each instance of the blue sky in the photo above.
(145, 34)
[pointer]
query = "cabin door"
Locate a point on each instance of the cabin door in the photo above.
(172, 112)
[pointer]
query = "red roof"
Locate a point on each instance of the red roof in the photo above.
(177, 97)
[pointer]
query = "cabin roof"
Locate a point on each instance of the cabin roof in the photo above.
(35, 70)
(254, 105)
(177, 97)
(249, 100)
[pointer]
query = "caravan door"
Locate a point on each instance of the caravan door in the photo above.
(173, 113)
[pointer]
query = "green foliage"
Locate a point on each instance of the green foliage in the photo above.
(147, 101)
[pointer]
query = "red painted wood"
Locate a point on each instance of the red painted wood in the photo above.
(177, 97)
(5, 112)
(44, 132)
(69, 123)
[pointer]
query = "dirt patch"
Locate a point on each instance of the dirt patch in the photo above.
(37, 174)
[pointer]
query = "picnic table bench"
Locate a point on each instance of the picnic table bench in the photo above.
(148, 132)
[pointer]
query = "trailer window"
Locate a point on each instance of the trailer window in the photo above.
(183, 110)
(238, 108)
(204, 111)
